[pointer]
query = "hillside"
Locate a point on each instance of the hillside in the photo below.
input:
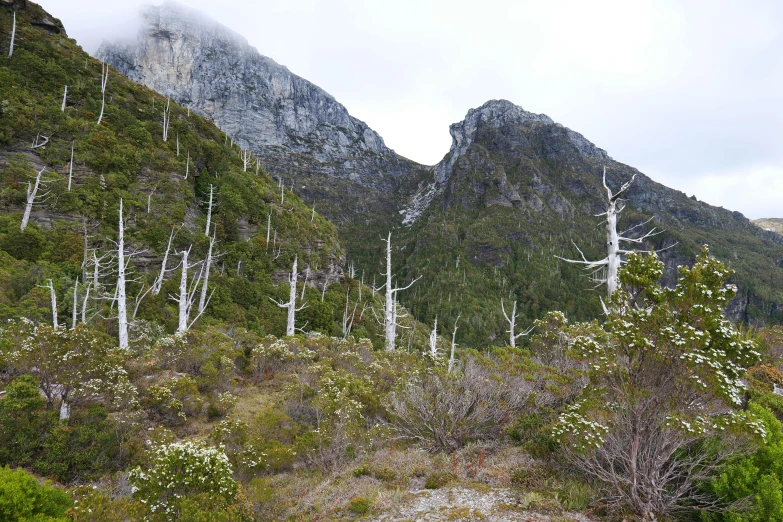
(513, 191)
(771, 224)
(164, 186)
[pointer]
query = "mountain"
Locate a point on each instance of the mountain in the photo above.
(119, 152)
(484, 224)
(770, 224)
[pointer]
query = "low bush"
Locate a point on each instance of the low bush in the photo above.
(23, 498)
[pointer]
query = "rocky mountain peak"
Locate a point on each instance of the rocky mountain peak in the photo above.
(497, 114)
(204, 65)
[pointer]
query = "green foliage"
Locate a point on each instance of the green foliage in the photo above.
(757, 477)
(359, 505)
(24, 499)
(23, 422)
(180, 471)
(665, 380)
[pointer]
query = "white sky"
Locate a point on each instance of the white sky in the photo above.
(690, 93)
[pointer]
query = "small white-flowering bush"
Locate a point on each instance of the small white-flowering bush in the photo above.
(181, 470)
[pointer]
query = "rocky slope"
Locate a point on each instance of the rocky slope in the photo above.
(770, 224)
(486, 222)
(296, 128)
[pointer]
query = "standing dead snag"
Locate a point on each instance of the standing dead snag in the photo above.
(70, 168)
(211, 205)
(53, 296)
(390, 308)
(434, 340)
(166, 119)
(512, 322)
(605, 271)
(453, 343)
(13, 35)
(203, 300)
(65, 95)
(104, 79)
(122, 306)
(291, 304)
(156, 286)
(32, 195)
(187, 295)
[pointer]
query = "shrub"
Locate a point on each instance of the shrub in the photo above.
(181, 470)
(446, 411)
(359, 505)
(22, 499)
(437, 479)
(23, 422)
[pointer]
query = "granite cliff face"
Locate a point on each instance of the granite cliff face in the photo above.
(771, 224)
(295, 127)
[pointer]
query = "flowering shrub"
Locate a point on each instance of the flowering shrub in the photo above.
(666, 377)
(180, 470)
(174, 401)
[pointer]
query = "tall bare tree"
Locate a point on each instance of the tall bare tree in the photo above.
(104, 80)
(390, 308)
(605, 271)
(512, 322)
(33, 195)
(291, 304)
(13, 36)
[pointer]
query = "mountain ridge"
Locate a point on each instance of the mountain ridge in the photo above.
(506, 167)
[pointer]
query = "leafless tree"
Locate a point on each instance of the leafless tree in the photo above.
(13, 36)
(390, 308)
(53, 296)
(434, 340)
(156, 286)
(291, 304)
(453, 343)
(65, 96)
(605, 271)
(104, 80)
(187, 294)
(33, 197)
(70, 168)
(166, 119)
(512, 321)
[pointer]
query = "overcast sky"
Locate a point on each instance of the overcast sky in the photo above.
(690, 93)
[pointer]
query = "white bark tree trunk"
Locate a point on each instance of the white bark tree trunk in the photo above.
(512, 323)
(104, 79)
(53, 296)
(13, 36)
(84, 304)
(156, 286)
(209, 210)
(390, 308)
(166, 119)
(70, 167)
(183, 294)
(453, 343)
(187, 165)
(291, 325)
(75, 304)
(202, 302)
(65, 96)
(434, 340)
(32, 191)
(122, 306)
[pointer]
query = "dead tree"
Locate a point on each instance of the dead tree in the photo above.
(453, 343)
(512, 322)
(390, 312)
(187, 295)
(209, 209)
(65, 96)
(348, 317)
(156, 286)
(203, 299)
(434, 340)
(13, 35)
(291, 304)
(122, 305)
(166, 119)
(605, 271)
(32, 195)
(245, 159)
(70, 169)
(104, 79)
(53, 296)
(187, 165)
(75, 303)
